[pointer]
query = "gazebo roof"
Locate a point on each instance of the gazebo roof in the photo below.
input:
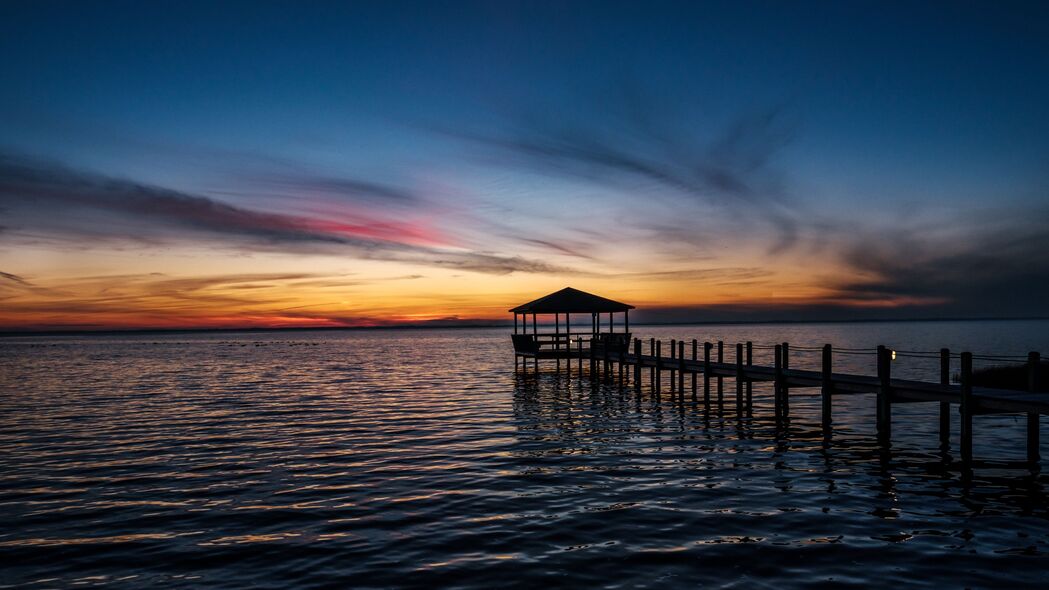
(569, 300)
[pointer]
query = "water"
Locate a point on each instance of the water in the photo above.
(378, 459)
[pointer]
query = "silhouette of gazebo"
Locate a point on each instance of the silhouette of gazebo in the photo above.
(568, 301)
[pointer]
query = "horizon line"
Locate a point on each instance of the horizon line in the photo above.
(465, 325)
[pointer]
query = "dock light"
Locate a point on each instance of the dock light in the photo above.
(894, 355)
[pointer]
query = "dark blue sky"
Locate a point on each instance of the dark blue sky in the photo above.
(910, 97)
(784, 119)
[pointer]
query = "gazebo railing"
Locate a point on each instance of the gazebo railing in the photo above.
(534, 343)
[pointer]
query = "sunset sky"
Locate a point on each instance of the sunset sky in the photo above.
(312, 164)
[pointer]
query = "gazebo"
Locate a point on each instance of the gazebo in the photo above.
(568, 301)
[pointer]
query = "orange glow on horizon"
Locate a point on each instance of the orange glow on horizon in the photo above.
(276, 291)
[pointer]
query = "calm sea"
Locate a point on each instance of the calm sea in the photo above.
(418, 458)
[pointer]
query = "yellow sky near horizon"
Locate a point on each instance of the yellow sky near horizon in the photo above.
(187, 287)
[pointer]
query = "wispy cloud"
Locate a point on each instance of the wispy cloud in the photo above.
(13, 278)
(291, 184)
(649, 151)
(44, 196)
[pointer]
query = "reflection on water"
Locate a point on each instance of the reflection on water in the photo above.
(372, 459)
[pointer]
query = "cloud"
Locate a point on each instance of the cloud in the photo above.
(68, 204)
(14, 279)
(38, 185)
(559, 247)
(350, 189)
(994, 263)
(631, 142)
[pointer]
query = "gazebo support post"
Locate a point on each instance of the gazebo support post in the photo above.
(557, 339)
(535, 333)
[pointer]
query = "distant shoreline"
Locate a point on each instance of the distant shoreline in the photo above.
(147, 331)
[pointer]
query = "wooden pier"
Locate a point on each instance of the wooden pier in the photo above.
(610, 355)
(685, 361)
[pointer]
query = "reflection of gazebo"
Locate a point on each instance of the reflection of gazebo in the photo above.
(568, 301)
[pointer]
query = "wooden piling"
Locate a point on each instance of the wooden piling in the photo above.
(884, 419)
(750, 385)
(721, 380)
(945, 407)
(1033, 442)
(827, 389)
(706, 373)
(673, 366)
(785, 389)
(652, 369)
(681, 370)
(777, 381)
(637, 364)
(695, 346)
(659, 367)
(739, 379)
(966, 430)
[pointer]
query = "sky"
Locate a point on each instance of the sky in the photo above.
(278, 164)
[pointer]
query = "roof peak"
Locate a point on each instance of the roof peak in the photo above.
(572, 300)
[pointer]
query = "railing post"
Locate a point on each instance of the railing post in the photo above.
(739, 379)
(884, 395)
(777, 380)
(945, 407)
(785, 389)
(652, 369)
(721, 380)
(695, 357)
(637, 364)
(673, 366)
(828, 387)
(966, 431)
(750, 384)
(659, 367)
(681, 370)
(1033, 455)
(706, 372)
